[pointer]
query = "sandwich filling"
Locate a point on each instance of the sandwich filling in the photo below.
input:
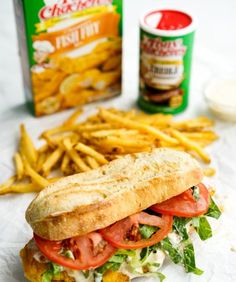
(136, 245)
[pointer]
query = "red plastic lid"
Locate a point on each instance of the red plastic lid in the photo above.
(167, 20)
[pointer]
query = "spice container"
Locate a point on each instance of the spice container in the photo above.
(166, 43)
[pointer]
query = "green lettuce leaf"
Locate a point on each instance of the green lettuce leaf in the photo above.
(172, 252)
(189, 259)
(147, 231)
(213, 210)
(113, 263)
(53, 270)
(179, 226)
(202, 227)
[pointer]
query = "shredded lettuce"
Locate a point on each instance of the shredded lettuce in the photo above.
(53, 270)
(179, 226)
(147, 231)
(202, 227)
(113, 263)
(189, 259)
(172, 252)
(213, 210)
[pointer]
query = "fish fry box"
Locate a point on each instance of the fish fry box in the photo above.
(71, 51)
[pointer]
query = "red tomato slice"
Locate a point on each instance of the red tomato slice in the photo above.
(125, 233)
(90, 251)
(185, 204)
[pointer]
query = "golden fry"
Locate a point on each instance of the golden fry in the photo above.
(37, 178)
(27, 148)
(52, 160)
(208, 135)
(22, 188)
(93, 127)
(75, 156)
(191, 145)
(4, 187)
(73, 118)
(92, 162)
(112, 132)
(198, 123)
(125, 122)
(19, 166)
(135, 143)
(43, 148)
(91, 152)
(209, 171)
(41, 160)
(65, 163)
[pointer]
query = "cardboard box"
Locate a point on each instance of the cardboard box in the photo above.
(70, 51)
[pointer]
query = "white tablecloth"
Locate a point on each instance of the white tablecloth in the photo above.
(214, 56)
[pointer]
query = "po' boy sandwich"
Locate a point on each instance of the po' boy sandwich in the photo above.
(119, 221)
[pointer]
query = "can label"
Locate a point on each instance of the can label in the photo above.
(165, 66)
(162, 62)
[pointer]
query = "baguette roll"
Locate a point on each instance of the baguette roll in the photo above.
(85, 202)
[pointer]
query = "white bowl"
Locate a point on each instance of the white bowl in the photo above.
(220, 95)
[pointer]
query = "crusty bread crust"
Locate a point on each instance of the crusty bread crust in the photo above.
(89, 201)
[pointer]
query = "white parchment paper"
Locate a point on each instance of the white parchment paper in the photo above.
(216, 256)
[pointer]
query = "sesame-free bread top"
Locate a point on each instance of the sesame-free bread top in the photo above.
(92, 200)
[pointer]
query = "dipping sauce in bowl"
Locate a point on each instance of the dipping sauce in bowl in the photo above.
(220, 95)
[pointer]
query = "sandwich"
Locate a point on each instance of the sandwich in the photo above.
(119, 221)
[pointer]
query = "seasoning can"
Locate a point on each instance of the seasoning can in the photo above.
(166, 44)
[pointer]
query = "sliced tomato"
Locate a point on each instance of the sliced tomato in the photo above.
(89, 251)
(185, 205)
(125, 233)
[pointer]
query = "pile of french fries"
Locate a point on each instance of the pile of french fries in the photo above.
(75, 147)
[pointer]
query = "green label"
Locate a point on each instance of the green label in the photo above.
(165, 69)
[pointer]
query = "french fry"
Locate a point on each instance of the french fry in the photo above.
(73, 118)
(22, 188)
(37, 178)
(209, 171)
(27, 148)
(5, 187)
(41, 160)
(113, 132)
(75, 156)
(92, 162)
(65, 163)
(191, 145)
(135, 143)
(91, 152)
(124, 122)
(19, 166)
(59, 129)
(43, 148)
(207, 135)
(93, 127)
(198, 123)
(52, 160)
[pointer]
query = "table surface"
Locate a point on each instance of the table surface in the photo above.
(214, 56)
